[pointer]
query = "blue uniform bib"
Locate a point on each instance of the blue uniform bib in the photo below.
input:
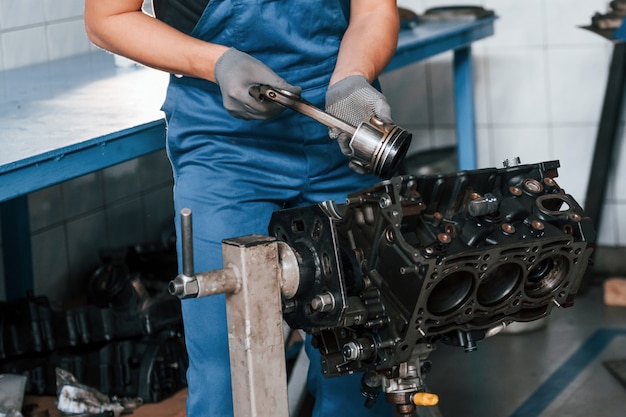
(234, 173)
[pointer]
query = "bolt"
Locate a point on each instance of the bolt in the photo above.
(575, 217)
(354, 200)
(323, 303)
(350, 351)
(537, 225)
(444, 238)
(511, 162)
(508, 228)
(549, 181)
(405, 270)
(385, 201)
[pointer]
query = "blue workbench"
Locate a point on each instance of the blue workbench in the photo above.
(68, 118)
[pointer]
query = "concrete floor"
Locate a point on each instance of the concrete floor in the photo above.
(554, 371)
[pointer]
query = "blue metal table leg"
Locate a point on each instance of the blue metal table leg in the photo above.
(16, 247)
(464, 107)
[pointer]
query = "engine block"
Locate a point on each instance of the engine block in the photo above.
(417, 260)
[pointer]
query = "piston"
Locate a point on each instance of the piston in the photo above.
(375, 146)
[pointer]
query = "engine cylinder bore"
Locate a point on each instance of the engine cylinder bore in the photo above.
(499, 283)
(450, 292)
(546, 276)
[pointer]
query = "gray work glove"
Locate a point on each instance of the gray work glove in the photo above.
(355, 101)
(235, 73)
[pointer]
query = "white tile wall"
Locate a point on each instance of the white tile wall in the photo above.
(51, 264)
(154, 170)
(66, 9)
(422, 140)
(563, 19)
(517, 86)
(121, 181)
(24, 46)
(36, 31)
(89, 188)
(576, 84)
(440, 87)
(480, 58)
(66, 38)
(484, 147)
(86, 235)
(158, 214)
(71, 222)
(576, 162)
(520, 24)
(608, 234)
(409, 88)
(124, 223)
(529, 142)
(2, 86)
(620, 223)
(16, 13)
(46, 208)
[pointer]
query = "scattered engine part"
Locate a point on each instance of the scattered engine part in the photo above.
(456, 14)
(76, 398)
(414, 261)
(605, 24)
(31, 326)
(613, 18)
(150, 368)
(120, 306)
(127, 341)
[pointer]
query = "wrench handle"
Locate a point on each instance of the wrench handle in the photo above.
(297, 103)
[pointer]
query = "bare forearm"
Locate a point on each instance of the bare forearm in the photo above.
(370, 41)
(121, 27)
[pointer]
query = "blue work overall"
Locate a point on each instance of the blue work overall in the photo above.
(234, 173)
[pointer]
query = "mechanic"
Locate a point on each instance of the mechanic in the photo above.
(236, 160)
